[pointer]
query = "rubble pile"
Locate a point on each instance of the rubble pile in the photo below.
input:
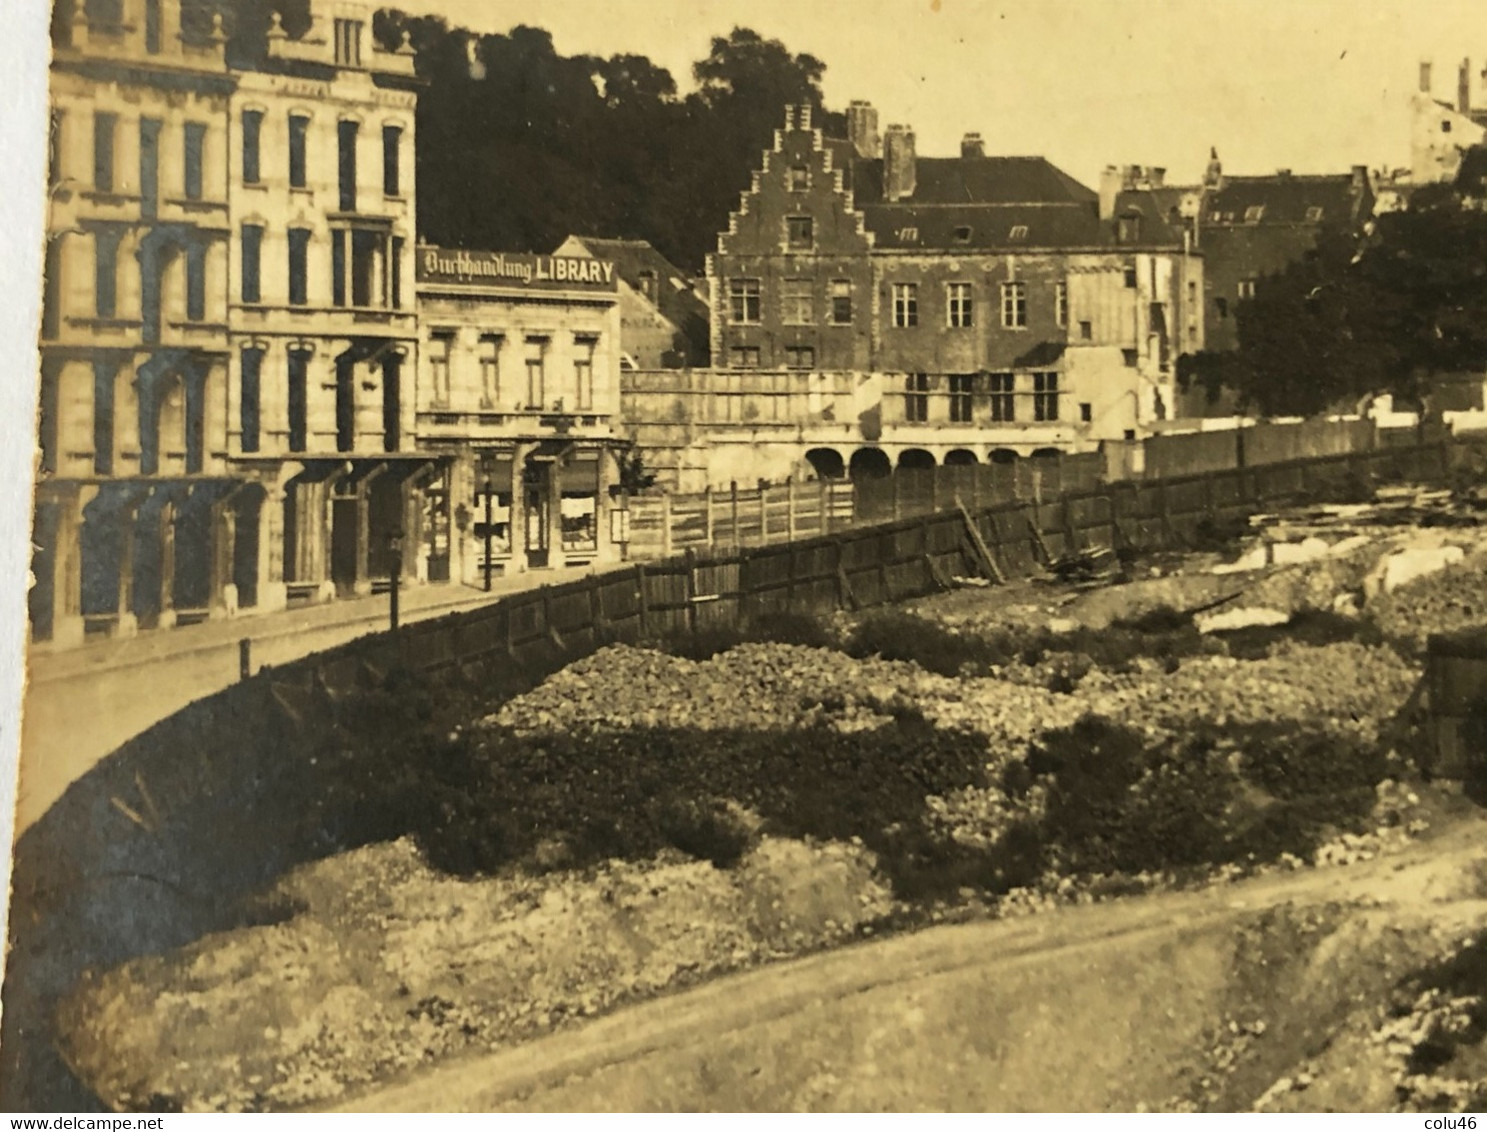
(1448, 600)
(391, 965)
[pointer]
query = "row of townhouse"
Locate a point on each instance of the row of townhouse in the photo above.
(257, 388)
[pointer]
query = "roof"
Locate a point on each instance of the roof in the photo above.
(675, 297)
(1282, 199)
(975, 180)
(1023, 227)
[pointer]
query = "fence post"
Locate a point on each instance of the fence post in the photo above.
(733, 492)
(245, 661)
(823, 504)
(707, 506)
(764, 516)
(666, 540)
(934, 489)
(898, 511)
(689, 589)
(645, 603)
(790, 508)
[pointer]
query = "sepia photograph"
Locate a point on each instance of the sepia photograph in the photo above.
(745, 556)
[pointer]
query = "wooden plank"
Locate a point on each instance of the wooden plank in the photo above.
(983, 552)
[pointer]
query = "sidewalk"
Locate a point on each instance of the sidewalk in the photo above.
(416, 603)
(82, 704)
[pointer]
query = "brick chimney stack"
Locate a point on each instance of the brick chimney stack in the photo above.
(1464, 87)
(1112, 180)
(899, 177)
(862, 130)
(972, 146)
(1425, 76)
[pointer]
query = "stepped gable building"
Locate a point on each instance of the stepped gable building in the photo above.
(135, 492)
(988, 290)
(663, 320)
(322, 321)
(519, 392)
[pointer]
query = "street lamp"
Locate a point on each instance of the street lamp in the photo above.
(488, 522)
(396, 546)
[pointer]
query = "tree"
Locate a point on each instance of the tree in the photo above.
(1380, 312)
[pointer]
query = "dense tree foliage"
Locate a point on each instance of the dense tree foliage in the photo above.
(519, 146)
(1380, 313)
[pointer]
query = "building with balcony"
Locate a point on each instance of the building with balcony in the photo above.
(519, 391)
(136, 496)
(322, 328)
(992, 298)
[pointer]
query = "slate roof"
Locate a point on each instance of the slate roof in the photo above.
(675, 298)
(1024, 227)
(975, 180)
(1282, 199)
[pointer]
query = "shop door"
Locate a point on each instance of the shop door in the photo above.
(536, 502)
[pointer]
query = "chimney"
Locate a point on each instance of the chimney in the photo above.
(1213, 177)
(1425, 76)
(1464, 87)
(1360, 179)
(1157, 177)
(898, 163)
(972, 146)
(1282, 173)
(862, 130)
(1111, 181)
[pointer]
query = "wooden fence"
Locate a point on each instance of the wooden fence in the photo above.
(663, 525)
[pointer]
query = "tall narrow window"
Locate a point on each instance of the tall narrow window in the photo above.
(916, 398)
(103, 151)
(106, 274)
(299, 246)
(961, 385)
(395, 273)
(841, 302)
(51, 303)
(1061, 303)
(55, 140)
(743, 300)
(298, 399)
(252, 263)
(1014, 305)
(536, 375)
(906, 304)
(338, 268)
(490, 369)
(196, 140)
(149, 167)
(299, 129)
(958, 305)
(440, 347)
(1003, 404)
(249, 395)
(252, 135)
(152, 27)
(346, 140)
(392, 153)
(196, 283)
(104, 375)
(583, 371)
(1045, 396)
(797, 309)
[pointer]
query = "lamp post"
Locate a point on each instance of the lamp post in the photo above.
(396, 546)
(488, 522)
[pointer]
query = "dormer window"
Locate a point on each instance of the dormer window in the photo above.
(1018, 232)
(648, 285)
(348, 43)
(1314, 214)
(1128, 228)
(963, 234)
(1254, 213)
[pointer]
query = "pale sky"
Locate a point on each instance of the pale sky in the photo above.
(1310, 85)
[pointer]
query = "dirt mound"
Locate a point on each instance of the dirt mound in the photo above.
(388, 966)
